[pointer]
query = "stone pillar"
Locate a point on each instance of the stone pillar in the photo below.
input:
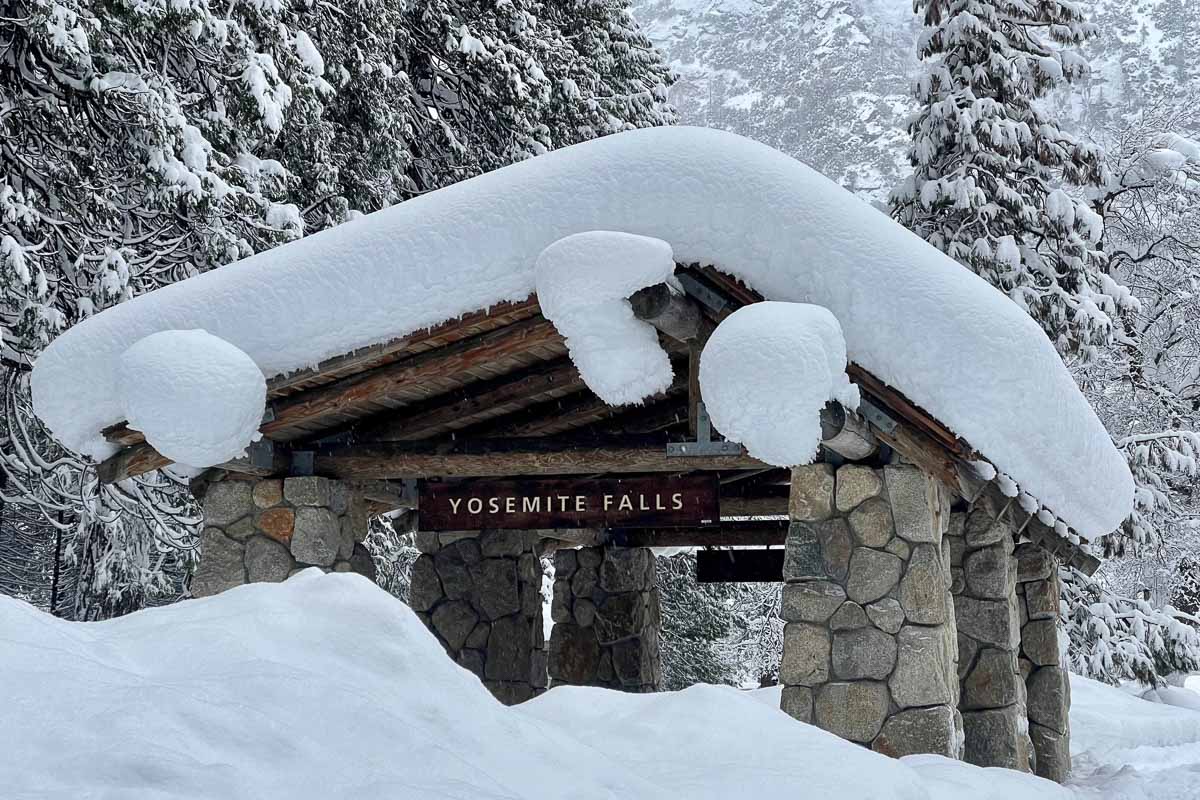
(1048, 690)
(868, 649)
(267, 529)
(984, 579)
(480, 594)
(606, 619)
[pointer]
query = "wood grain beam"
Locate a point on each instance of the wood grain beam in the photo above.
(667, 310)
(312, 406)
(759, 533)
(511, 457)
(141, 458)
(476, 403)
(764, 506)
(572, 413)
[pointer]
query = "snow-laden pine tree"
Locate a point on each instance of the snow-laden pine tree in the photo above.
(1147, 390)
(146, 142)
(991, 165)
(821, 80)
(131, 158)
(729, 633)
(1185, 595)
(1112, 638)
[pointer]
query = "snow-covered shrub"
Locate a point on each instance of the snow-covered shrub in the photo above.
(390, 543)
(1113, 638)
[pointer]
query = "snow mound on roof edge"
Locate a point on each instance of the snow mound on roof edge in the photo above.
(910, 314)
(583, 285)
(327, 687)
(193, 376)
(767, 371)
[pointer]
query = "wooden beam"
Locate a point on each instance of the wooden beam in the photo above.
(122, 434)
(364, 358)
(846, 434)
(389, 496)
(511, 457)
(476, 403)
(660, 416)
(695, 348)
(130, 462)
(900, 406)
(918, 448)
(667, 310)
(550, 418)
(730, 286)
(360, 389)
(571, 413)
(142, 458)
(756, 533)
(764, 506)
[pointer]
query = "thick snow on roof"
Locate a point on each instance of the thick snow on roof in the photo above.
(910, 315)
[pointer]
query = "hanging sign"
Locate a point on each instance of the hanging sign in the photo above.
(568, 503)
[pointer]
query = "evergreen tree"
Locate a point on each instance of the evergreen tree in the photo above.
(696, 618)
(990, 163)
(1185, 595)
(821, 80)
(144, 142)
(729, 633)
(131, 136)
(1112, 638)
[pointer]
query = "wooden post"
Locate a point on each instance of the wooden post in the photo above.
(695, 348)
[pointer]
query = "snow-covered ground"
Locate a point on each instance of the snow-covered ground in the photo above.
(326, 687)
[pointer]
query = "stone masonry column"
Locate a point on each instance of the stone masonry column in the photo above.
(1048, 690)
(606, 619)
(868, 649)
(984, 575)
(480, 593)
(266, 529)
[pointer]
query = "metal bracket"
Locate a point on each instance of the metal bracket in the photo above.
(707, 297)
(261, 454)
(302, 463)
(876, 416)
(704, 445)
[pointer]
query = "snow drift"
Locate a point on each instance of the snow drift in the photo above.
(912, 316)
(327, 687)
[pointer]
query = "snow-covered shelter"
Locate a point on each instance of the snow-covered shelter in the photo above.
(905, 433)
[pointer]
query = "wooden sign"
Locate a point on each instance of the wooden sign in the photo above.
(739, 566)
(568, 503)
